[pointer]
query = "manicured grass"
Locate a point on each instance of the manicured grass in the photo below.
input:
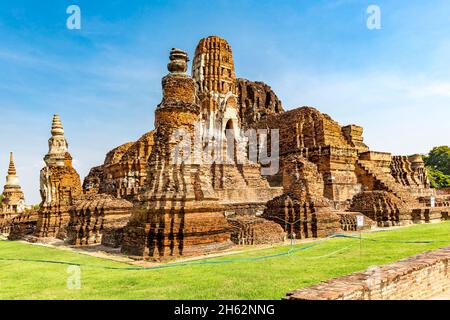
(268, 278)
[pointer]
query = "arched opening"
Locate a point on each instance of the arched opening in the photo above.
(229, 125)
(231, 154)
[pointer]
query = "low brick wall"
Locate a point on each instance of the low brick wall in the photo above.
(443, 191)
(418, 277)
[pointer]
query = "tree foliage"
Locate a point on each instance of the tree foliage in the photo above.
(438, 179)
(438, 165)
(439, 159)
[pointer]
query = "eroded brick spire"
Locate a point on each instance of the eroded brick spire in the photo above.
(57, 144)
(13, 198)
(57, 127)
(12, 167)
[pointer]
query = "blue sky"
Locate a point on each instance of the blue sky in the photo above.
(104, 80)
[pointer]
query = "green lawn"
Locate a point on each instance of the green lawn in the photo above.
(269, 278)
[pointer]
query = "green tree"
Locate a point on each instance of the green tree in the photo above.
(438, 166)
(438, 179)
(439, 159)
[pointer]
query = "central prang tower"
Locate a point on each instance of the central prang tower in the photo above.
(213, 67)
(216, 86)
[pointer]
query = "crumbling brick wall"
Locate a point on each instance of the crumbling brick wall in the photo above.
(17, 225)
(23, 225)
(257, 101)
(419, 277)
(250, 230)
(348, 221)
(382, 207)
(90, 215)
(302, 210)
(124, 171)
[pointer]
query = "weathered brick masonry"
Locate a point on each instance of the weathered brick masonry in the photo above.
(419, 277)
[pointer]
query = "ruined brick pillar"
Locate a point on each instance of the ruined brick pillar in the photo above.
(179, 213)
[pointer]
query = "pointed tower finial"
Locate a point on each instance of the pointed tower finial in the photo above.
(12, 167)
(57, 127)
(57, 144)
(11, 179)
(178, 62)
(13, 198)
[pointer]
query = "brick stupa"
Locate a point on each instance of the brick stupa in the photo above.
(59, 184)
(13, 197)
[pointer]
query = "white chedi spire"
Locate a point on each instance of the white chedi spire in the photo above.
(57, 144)
(11, 179)
(12, 167)
(13, 198)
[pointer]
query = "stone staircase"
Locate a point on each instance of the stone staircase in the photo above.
(252, 176)
(385, 181)
(242, 183)
(226, 176)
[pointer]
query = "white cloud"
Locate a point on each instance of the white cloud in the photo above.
(434, 89)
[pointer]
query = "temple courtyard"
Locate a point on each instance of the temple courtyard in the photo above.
(30, 271)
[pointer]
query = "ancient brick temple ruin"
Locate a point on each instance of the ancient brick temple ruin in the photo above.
(226, 165)
(12, 206)
(68, 213)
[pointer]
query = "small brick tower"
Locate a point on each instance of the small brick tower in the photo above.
(13, 198)
(59, 185)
